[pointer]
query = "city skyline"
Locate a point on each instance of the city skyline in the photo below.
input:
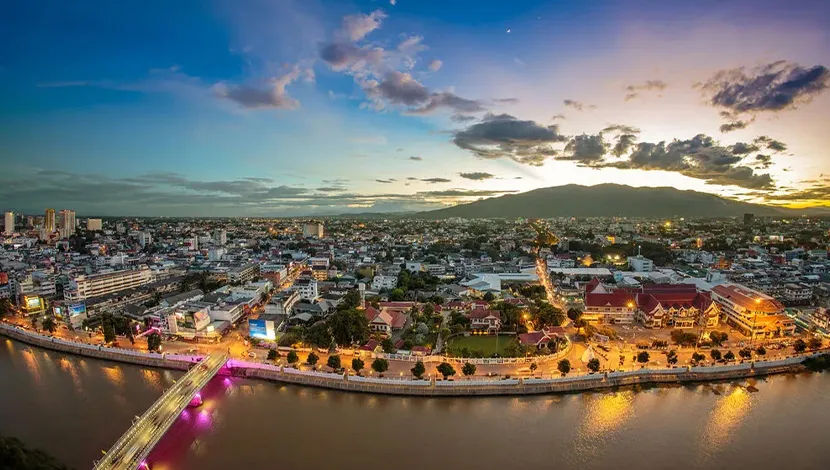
(315, 107)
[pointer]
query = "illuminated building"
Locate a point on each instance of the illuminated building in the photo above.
(33, 304)
(66, 223)
(313, 229)
(8, 228)
(96, 285)
(49, 221)
(753, 313)
(93, 224)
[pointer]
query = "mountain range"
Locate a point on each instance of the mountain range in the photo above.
(610, 200)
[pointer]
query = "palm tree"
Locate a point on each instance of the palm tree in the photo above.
(34, 323)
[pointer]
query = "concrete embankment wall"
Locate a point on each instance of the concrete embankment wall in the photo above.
(167, 361)
(394, 386)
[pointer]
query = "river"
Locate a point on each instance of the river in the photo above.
(73, 407)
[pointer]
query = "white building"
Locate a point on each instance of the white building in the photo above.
(94, 224)
(640, 263)
(144, 238)
(220, 237)
(216, 254)
(85, 287)
(8, 228)
(66, 223)
(307, 289)
(313, 229)
(384, 282)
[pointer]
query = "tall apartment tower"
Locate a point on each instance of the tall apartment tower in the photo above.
(49, 221)
(8, 229)
(66, 223)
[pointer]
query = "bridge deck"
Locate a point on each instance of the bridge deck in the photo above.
(132, 448)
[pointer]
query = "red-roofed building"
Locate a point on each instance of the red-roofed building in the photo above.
(675, 305)
(606, 305)
(484, 319)
(385, 320)
(753, 313)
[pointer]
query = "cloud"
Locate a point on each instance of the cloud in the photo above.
(477, 176)
(769, 88)
(505, 100)
(621, 129)
(331, 189)
(435, 180)
(577, 105)
(741, 148)
(387, 181)
(347, 56)
(435, 65)
(415, 159)
(557, 117)
(273, 96)
(585, 149)
(763, 161)
(700, 157)
(356, 27)
(633, 91)
(461, 118)
(451, 101)
(465, 193)
(504, 136)
(770, 144)
(412, 45)
(624, 143)
(400, 88)
(734, 126)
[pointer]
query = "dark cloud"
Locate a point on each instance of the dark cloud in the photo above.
(477, 176)
(400, 88)
(770, 144)
(272, 96)
(411, 178)
(435, 180)
(416, 159)
(734, 126)
(343, 56)
(461, 118)
(331, 189)
(624, 143)
(504, 136)
(773, 87)
(585, 149)
(557, 116)
(700, 157)
(632, 91)
(386, 181)
(621, 129)
(577, 105)
(506, 100)
(450, 101)
(763, 161)
(741, 148)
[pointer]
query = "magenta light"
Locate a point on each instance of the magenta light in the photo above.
(198, 396)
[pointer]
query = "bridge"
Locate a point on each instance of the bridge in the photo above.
(131, 450)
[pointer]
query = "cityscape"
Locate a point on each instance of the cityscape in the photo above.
(313, 234)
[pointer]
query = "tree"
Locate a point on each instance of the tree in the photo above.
(312, 359)
(533, 367)
(761, 351)
(729, 356)
(380, 366)
(643, 357)
(593, 365)
(350, 301)
(273, 354)
(6, 308)
(49, 324)
(671, 357)
(17, 456)
(468, 369)
(548, 315)
(108, 326)
(35, 323)
(292, 357)
(718, 338)
(445, 369)
(574, 314)
(418, 370)
(489, 297)
(153, 341)
(697, 357)
(357, 365)
(745, 353)
(388, 346)
(813, 343)
(319, 335)
(334, 362)
(564, 366)
(348, 327)
(397, 294)
(683, 338)
(715, 355)
(799, 346)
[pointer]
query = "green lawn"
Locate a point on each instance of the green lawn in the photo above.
(484, 343)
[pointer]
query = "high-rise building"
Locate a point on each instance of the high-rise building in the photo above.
(313, 229)
(49, 222)
(94, 224)
(8, 228)
(66, 223)
(220, 237)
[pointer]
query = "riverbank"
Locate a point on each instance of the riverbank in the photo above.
(431, 387)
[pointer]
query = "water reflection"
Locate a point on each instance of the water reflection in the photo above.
(607, 412)
(727, 415)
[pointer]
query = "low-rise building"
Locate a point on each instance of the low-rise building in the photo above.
(753, 313)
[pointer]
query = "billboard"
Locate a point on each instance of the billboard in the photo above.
(262, 329)
(33, 303)
(76, 309)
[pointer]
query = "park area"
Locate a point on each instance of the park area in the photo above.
(482, 345)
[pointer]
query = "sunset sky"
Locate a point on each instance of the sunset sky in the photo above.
(303, 107)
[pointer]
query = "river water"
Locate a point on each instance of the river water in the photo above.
(73, 407)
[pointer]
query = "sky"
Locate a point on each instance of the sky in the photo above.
(313, 107)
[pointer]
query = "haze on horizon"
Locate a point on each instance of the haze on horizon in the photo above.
(302, 107)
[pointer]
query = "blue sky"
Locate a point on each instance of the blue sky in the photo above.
(290, 107)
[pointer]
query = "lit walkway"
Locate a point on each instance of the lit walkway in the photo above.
(129, 452)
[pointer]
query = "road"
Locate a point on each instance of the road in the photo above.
(129, 451)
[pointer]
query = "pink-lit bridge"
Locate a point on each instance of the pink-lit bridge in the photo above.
(131, 450)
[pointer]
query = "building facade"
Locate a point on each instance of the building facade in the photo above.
(753, 313)
(85, 287)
